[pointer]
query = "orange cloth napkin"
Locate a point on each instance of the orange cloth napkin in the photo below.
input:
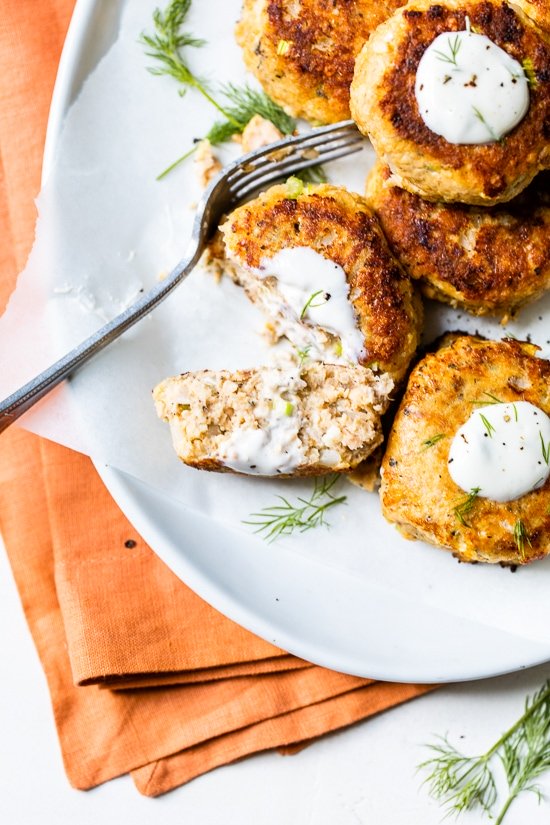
(103, 610)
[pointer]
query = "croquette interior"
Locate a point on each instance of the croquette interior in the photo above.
(336, 409)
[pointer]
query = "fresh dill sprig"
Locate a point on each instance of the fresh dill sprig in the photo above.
(520, 537)
(545, 449)
(454, 48)
(430, 442)
(464, 507)
(166, 47)
(305, 514)
(464, 783)
(309, 304)
(247, 102)
(459, 782)
(488, 426)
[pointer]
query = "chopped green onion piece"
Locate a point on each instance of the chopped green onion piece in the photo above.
(283, 47)
(294, 187)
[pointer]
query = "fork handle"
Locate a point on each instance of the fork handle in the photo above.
(12, 407)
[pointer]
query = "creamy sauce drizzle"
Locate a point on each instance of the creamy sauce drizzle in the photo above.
(274, 447)
(506, 455)
(316, 290)
(469, 90)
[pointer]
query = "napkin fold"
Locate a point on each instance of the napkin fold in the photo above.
(144, 676)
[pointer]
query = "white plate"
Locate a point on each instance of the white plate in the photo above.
(322, 612)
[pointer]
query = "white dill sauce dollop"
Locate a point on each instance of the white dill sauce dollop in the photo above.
(469, 90)
(502, 451)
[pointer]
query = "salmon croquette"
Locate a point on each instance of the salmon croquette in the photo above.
(275, 422)
(303, 51)
(490, 169)
(315, 260)
(471, 376)
(489, 261)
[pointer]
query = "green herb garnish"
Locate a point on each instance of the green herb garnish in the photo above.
(488, 426)
(433, 440)
(309, 304)
(520, 537)
(464, 783)
(283, 519)
(167, 47)
(545, 449)
(492, 400)
(529, 71)
(464, 508)
(454, 48)
(303, 355)
(489, 128)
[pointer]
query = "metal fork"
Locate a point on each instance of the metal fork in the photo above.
(237, 182)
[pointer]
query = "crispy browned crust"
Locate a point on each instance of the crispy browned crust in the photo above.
(486, 260)
(340, 226)
(384, 105)
(313, 77)
(538, 10)
(417, 491)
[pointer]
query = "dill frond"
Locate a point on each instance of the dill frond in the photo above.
(305, 514)
(464, 782)
(166, 47)
(430, 442)
(464, 507)
(454, 48)
(488, 426)
(222, 131)
(247, 102)
(520, 537)
(545, 449)
(489, 128)
(492, 399)
(460, 782)
(309, 304)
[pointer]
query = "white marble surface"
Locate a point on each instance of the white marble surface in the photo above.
(361, 776)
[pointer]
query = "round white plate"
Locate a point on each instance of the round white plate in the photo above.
(323, 613)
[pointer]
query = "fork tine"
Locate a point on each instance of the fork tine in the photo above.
(278, 171)
(295, 162)
(297, 152)
(309, 140)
